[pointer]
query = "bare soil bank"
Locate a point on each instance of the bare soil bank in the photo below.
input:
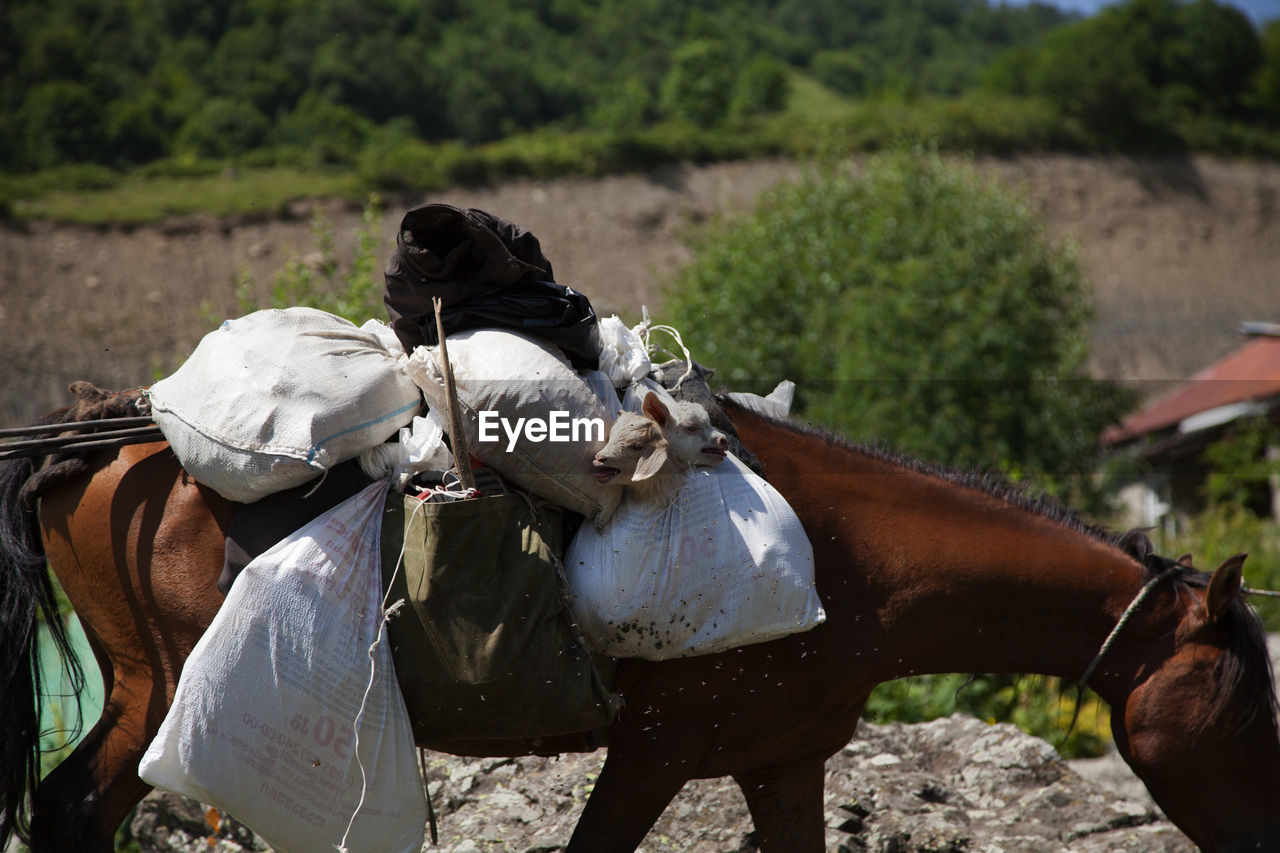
(1179, 253)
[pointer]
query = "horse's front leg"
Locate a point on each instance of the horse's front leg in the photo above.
(634, 788)
(786, 804)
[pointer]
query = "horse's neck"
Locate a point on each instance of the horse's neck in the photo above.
(934, 576)
(996, 589)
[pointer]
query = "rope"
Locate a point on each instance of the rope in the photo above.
(647, 326)
(1124, 617)
(1266, 593)
(1106, 644)
(386, 612)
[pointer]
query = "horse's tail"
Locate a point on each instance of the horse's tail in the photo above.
(26, 599)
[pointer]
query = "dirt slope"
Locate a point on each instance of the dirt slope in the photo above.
(1179, 253)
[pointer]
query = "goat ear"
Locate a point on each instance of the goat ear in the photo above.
(1224, 586)
(650, 463)
(654, 408)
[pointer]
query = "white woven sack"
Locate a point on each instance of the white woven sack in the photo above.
(517, 377)
(725, 564)
(270, 400)
(267, 722)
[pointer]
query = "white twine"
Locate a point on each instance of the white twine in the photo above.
(647, 326)
(387, 611)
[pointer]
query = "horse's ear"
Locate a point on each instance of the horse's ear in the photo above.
(1224, 586)
(1185, 560)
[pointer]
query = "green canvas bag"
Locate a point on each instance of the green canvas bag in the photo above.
(484, 646)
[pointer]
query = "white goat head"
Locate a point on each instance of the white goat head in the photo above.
(657, 448)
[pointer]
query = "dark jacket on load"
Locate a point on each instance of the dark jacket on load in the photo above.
(488, 273)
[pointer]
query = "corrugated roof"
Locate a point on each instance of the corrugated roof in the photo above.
(1250, 373)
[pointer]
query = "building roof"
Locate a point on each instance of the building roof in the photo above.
(1251, 373)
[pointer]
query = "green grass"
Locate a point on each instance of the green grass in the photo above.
(809, 100)
(136, 198)
(816, 122)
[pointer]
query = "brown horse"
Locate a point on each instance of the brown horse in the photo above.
(920, 571)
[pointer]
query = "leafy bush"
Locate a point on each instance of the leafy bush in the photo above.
(761, 88)
(920, 307)
(622, 108)
(59, 122)
(328, 132)
(223, 127)
(844, 71)
(699, 82)
(1215, 55)
(1094, 72)
(1263, 96)
(1039, 706)
(1238, 517)
(1226, 529)
(914, 305)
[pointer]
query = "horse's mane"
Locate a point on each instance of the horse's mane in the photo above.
(1245, 679)
(92, 404)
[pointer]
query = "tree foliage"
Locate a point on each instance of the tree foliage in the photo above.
(914, 305)
(139, 77)
(1133, 71)
(122, 84)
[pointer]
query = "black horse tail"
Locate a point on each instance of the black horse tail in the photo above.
(27, 598)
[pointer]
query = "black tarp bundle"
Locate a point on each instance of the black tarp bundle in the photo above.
(488, 273)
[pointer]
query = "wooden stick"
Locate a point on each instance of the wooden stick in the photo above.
(461, 455)
(95, 441)
(55, 441)
(38, 429)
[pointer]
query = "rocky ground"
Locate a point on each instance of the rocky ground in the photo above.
(946, 786)
(954, 785)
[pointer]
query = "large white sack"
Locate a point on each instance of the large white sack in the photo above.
(725, 564)
(268, 401)
(263, 724)
(517, 378)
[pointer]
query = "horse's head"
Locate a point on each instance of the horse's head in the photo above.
(1200, 724)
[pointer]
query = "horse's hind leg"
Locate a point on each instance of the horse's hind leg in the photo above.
(138, 549)
(786, 805)
(84, 800)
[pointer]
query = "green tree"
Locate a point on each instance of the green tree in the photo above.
(61, 122)
(223, 127)
(330, 133)
(1095, 71)
(624, 107)
(1216, 55)
(915, 305)
(1241, 467)
(1264, 91)
(136, 130)
(699, 82)
(846, 71)
(762, 87)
